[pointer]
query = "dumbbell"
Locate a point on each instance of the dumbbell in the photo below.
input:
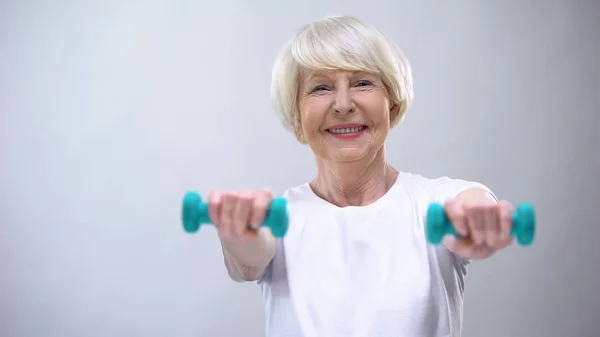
(523, 224)
(194, 213)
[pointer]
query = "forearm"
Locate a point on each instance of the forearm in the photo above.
(250, 259)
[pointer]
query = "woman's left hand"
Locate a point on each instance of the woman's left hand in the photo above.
(483, 226)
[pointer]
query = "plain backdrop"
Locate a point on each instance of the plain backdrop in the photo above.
(112, 110)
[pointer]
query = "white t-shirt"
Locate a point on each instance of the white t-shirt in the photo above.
(365, 271)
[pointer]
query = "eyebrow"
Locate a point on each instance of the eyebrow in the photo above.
(315, 75)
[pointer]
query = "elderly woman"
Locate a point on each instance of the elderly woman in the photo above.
(355, 260)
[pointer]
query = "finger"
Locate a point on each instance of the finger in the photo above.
(241, 214)
(214, 206)
(227, 210)
(506, 211)
(261, 205)
(456, 214)
(491, 218)
(503, 243)
(475, 223)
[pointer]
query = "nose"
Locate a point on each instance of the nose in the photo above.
(343, 104)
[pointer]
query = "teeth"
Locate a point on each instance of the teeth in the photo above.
(347, 130)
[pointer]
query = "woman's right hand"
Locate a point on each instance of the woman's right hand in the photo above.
(238, 215)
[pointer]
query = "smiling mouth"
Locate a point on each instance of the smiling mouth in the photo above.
(342, 131)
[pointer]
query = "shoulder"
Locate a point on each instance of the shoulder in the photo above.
(440, 188)
(297, 191)
(299, 194)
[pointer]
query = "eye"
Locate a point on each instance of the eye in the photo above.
(363, 83)
(319, 88)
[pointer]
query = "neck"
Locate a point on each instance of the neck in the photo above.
(356, 183)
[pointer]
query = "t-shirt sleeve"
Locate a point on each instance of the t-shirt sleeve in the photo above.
(445, 188)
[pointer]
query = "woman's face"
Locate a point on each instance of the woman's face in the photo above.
(344, 115)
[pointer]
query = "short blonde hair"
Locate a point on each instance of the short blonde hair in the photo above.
(345, 43)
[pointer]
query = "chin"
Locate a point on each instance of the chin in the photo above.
(349, 154)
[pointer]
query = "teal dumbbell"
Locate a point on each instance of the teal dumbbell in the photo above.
(523, 225)
(194, 213)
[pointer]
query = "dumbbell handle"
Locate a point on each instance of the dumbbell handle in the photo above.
(195, 212)
(523, 225)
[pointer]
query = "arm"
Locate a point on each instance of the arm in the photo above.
(248, 261)
(483, 222)
(247, 250)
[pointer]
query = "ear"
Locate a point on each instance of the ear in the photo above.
(298, 126)
(298, 130)
(394, 111)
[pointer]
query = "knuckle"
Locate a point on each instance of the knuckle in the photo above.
(245, 196)
(227, 197)
(213, 202)
(266, 192)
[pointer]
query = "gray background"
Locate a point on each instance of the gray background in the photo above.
(111, 110)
